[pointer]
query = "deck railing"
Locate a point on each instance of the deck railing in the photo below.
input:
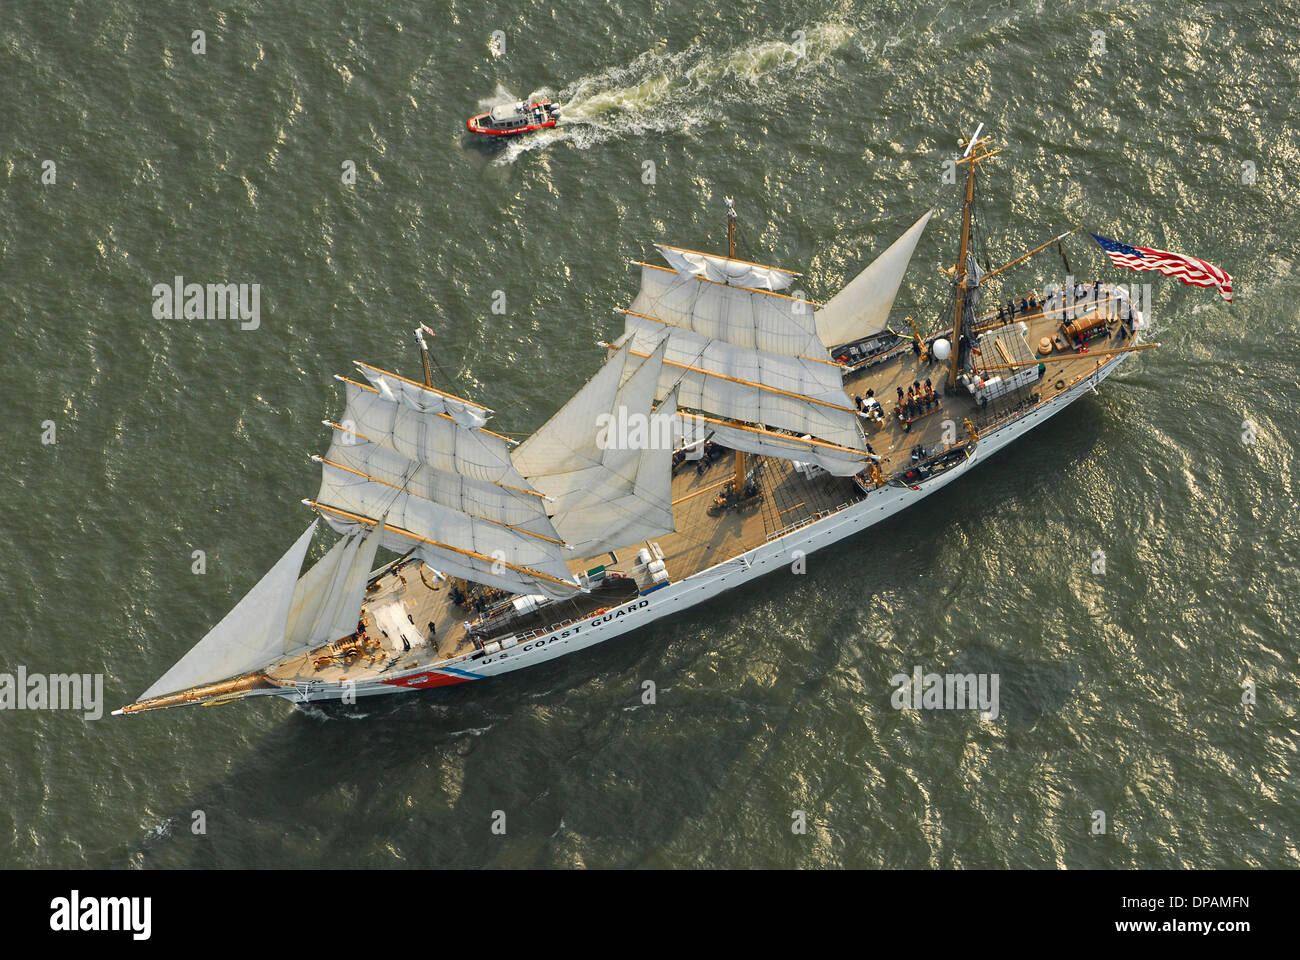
(812, 518)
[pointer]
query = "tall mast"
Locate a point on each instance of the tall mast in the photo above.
(420, 331)
(731, 228)
(738, 481)
(975, 153)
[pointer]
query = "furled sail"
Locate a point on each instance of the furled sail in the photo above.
(792, 393)
(605, 458)
(744, 318)
(862, 307)
(838, 461)
(738, 273)
(327, 600)
(424, 399)
(248, 637)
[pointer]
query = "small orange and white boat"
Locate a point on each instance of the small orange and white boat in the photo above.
(511, 119)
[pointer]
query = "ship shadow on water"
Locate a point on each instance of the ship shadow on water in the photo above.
(1036, 686)
(916, 539)
(318, 789)
(322, 781)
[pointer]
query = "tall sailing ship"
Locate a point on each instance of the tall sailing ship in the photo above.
(731, 428)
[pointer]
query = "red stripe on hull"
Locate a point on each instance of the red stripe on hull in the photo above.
(422, 681)
(514, 132)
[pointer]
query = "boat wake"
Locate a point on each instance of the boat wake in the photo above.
(316, 713)
(659, 92)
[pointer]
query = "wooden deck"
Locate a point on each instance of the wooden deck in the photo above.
(701, 540)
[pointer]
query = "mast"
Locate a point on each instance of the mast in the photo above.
(731, 228)
(972, 156)
(424, 353)
(738, 481)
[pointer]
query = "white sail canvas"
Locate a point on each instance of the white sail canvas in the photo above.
(624, 496)
(744, 318)
(805, 396)
(512, 559)
(725, 270)
(479, 498)
(862, 307)
(249, 637)
(327, 599)
(437, 441)
(424, 399)
(839, 463)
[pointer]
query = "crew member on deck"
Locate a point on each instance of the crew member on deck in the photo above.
(871, 407)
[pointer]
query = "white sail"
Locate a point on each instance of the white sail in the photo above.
(568, 441)
(738, 273)
(401, 450)
(805, 396)
(620, 493)
(422, 398)
(862, 307)
(744, 318)
(689, 431)
(249, 637)
(452, 541)
(436, 441)
(766, 443)
(327, 600)
(492, 501)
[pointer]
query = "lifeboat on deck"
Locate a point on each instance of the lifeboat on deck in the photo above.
(511, 119)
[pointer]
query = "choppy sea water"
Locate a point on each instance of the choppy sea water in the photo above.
(829, 123)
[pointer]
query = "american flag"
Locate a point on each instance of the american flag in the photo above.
(1198, 273)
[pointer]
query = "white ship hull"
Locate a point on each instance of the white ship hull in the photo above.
(779, 553)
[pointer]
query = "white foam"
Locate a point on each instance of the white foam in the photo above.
(660, 92)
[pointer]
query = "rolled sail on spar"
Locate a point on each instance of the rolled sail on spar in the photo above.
(507, 555)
